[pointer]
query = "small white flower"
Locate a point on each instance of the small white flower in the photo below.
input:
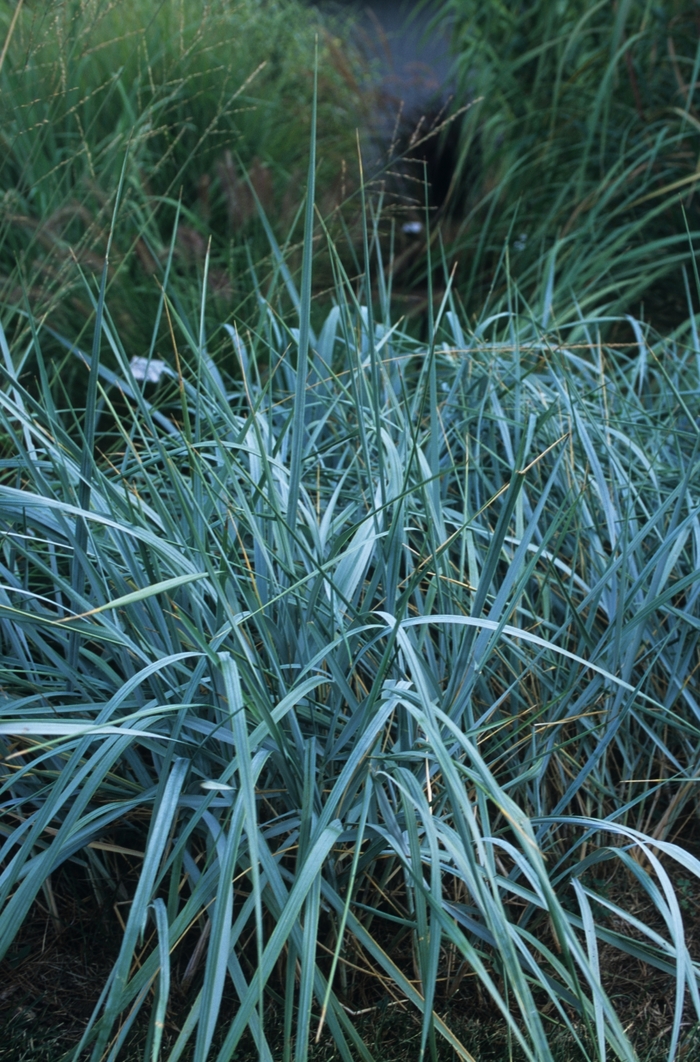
(150, 371)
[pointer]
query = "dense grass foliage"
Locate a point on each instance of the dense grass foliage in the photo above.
(356, 672)
(581, 147)
(213, 103)
(582, 141)
(384, 663)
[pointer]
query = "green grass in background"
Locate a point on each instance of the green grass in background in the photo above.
(582, 143)
(581, 150)
(199, 94)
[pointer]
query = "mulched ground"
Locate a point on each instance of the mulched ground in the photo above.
(52, 977)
